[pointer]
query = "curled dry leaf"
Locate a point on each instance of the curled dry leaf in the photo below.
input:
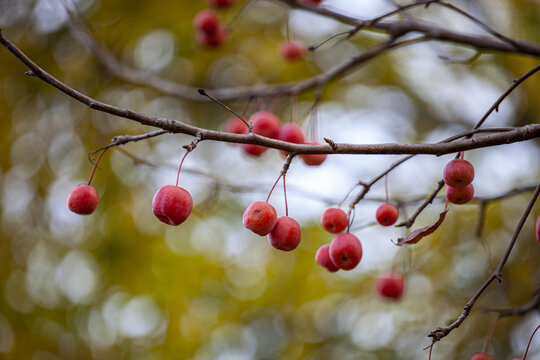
(418, 234)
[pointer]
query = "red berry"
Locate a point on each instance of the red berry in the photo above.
(538, 228)
(387, 214)
(313, 159)
(481, 356)
(322, 257)
(211, 40)
(458, 173)
(260, 217)
(207, 21)
(83, 199)
(345, 251)
(291, 133)
(264, 124)
(286, 235)
(221, 3)
(172, 205)
(460, 196)
(235, 125)
(391, 285)
(291, 50)
(334, 220)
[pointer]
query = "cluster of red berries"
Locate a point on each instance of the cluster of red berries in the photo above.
(267, 124)
(283, 232)
(209, 30)
(458, 176)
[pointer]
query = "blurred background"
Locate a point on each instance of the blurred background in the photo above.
(119, 284)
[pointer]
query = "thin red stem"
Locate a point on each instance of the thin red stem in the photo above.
(386, 186)
(285, 195)
(95, 166)
(430, 349)
(461, 154)
(180, 167)
(530, 340)
(490, 333)
(273, 187)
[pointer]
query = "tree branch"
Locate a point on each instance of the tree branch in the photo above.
(440, 333)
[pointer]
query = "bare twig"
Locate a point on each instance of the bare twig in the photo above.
(124, 139)
(440, 333)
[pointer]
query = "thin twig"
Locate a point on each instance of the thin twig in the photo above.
(440, 333)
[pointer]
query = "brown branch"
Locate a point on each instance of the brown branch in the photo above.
(440, 333)
(519, 134)
(124, 139)
(532, 305)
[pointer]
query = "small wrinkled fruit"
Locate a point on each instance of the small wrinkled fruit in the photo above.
(334, 220)
(345, 251)
(286, 235)
(172, 205)
(83, 199)
(260, 217)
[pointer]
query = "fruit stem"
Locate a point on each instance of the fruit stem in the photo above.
(461, 154)
(386, 186)
(273, 186)
(285, 195)
(180, 167)
(490, 333)
(95, 166)
(530, 340)
(430, 349)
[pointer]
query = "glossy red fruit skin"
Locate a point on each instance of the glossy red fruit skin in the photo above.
(266, 124)
(83, 199)
(458, 173)
(260, 217)
(172, 205)
(254, 150)
(286, 235)
(291, 133)
(221, 3)
(386, 214)
(313, 159)
(334, 220)
(345, 251)
(460, 196)
(292, 50)
(537, 228)
(481, 356)
(211, 40)
(207, 22)
(235, 126)
(391, 285)
(322, 257)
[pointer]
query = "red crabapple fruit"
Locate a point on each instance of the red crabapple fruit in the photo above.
(260, 217)
(391, 285)
(481, 356)
(265, 124)
(221, 3)
(83, 199)
(458, 173)
(172, 205)
(292, 50)
(207, 21)
(387, 214)
(334, 220)
(291, 133)
(460, 196)
(235, 125)
(213, 39)
(286, 235)
(322, 257)
(345, 251)
(313, 159)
